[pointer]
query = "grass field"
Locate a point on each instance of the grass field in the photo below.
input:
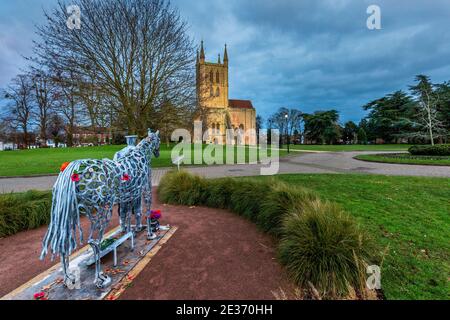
(409, 218)
(48, 161)
(405, 158)
(350, 147)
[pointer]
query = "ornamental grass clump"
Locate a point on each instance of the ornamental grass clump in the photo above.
(182, 188)
(246, 198)
(281, 200)
(24, 211)
(220, 191)
(323, 246)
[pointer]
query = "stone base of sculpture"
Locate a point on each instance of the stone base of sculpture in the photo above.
(119, 270)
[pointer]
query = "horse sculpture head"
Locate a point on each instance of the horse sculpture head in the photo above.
(153, 138)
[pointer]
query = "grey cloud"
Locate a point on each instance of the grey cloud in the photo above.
(300, 53)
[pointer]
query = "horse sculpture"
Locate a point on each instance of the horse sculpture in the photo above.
(93, 187)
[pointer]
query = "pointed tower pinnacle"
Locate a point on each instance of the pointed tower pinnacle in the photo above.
(202, 53)
(197, 57)
(218, 60)
(225, 56)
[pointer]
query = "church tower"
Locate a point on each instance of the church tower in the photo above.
(212, 81)
(212, 94)
(218, 112)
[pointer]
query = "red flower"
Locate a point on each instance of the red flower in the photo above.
(125, 177)
(155, 214)
(40, 295)
(75, 177)
(64, 166)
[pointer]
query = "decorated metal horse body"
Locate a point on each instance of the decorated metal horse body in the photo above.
(131, 145)
(93, 187)
(135, 205)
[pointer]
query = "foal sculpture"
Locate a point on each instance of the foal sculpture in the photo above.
(93, 187)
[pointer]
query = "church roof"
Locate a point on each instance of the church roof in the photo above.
(240, 104)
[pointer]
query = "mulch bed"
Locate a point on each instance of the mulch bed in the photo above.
(214, 254)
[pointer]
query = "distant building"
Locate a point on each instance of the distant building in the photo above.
(52, 144)
(222, 113)
(7, 146)
(88, 136)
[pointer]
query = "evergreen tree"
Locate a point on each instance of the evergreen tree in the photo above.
(362, 136)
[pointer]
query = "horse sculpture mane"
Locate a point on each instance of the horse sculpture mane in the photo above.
(93, 187)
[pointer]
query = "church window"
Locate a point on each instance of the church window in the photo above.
(217, 77)
(211, 77)
(211, 92)
(217, 92)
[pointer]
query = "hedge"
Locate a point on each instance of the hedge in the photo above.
(436, 150)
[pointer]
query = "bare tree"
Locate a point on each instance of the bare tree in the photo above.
(55, 128)
(20, 109)
(294, 119)
(43, 94)
(67, 101)
(96, 106)
(286, 121)
(428, 120)
(139, 50)
(4, 131)
(170, 118)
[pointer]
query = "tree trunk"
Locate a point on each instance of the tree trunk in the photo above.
(69, 132)
(43, 135)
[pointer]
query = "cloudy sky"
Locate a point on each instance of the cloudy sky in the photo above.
(308, 54)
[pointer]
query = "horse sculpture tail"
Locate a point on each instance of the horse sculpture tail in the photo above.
(65, 215)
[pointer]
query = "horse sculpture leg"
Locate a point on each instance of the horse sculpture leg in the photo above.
(124, 215)
(101, 280)
(128, 218)
(69, 278)
(137, 210)
(148, 203)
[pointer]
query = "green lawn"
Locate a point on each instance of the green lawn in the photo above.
(48, 161)
(405, 158)
(350, 147)
(408, 216)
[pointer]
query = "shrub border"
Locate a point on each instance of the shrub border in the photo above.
(360, 157)
(274, 217)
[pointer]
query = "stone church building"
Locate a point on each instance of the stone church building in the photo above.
(218, 112)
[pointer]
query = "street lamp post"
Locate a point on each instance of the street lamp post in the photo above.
(287, 131)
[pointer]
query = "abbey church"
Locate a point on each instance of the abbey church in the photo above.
(219, 112)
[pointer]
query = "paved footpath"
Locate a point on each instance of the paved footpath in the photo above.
(323, 162)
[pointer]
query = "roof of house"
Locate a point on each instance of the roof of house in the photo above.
(240, 104)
